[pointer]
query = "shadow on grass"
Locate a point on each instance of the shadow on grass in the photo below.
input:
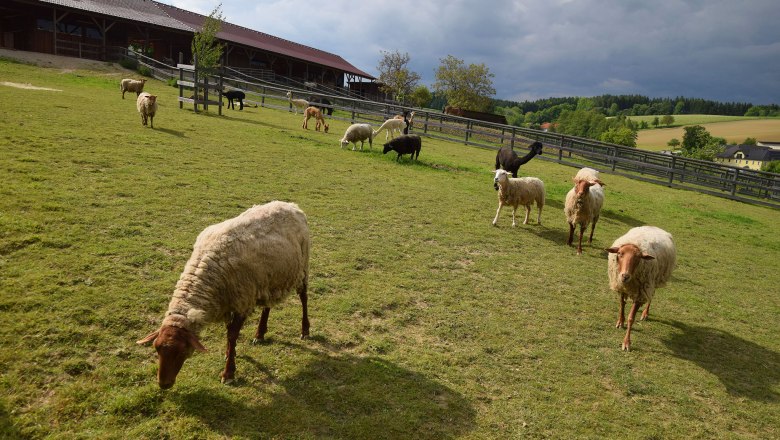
(340, 396)
(171, 132)
(622, 218)
(745, 368)
(7, 428)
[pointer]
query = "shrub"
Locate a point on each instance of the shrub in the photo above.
(129, 63)
(145, 71)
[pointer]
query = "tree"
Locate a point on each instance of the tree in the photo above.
(667, 120)
(620, 135)
(695, 138)
(656, 121)
(772, 167)
(204, 44)
(395, 76)
(468, 87)
(421, 96)
(750, 141)
(673, 144)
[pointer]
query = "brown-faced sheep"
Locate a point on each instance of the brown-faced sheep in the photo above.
(640, 261)
(583, 204)
(255, 259)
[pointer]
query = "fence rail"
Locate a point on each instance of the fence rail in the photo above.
(745, 185)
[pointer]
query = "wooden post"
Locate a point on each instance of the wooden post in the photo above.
(734, 182)
(181, 78)
(425, 124)
(671, 172)
(512, 141)
(206, 92)
(195, 76)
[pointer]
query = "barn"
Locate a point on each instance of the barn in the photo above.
(103, 29)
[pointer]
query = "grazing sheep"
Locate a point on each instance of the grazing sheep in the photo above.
(235, 95)
(358, 132)
(583, 204)
(639, 262)
(297, 103)
(255, 259)
(147, 107)
(507, 159)
(131, 85)
(405, 144)
(317, 115)
(391, 125)
(519, 191)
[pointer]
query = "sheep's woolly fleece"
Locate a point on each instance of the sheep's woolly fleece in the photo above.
(27, 86)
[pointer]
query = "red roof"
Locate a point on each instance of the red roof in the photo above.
(248, 37)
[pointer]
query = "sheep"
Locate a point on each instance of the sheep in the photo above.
(391, 125)
(147, 107)
(254, 259)
(639, 262)
(297, 103)
(519, 191)
(317, 115)
(583, 204)
(131, 85)
(507, 159)
(405, 144)
(358, 132)
(235, 95)
(323, 104)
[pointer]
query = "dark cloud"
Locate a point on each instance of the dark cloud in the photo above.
(723, 50)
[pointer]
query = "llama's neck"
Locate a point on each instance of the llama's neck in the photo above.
(528, 157)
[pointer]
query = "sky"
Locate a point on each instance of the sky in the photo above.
(721, 50)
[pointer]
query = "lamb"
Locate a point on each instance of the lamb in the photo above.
(235, 95)
(405, 144)
(583, 204)
(391, 125)
(254, 259)
(131, 85)
(507, 159)
(147, 107)
(297, 103)
(639, 262)
(358, 132)
(317, 115)
(519, 191)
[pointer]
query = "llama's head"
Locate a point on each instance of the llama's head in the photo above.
(536, 147)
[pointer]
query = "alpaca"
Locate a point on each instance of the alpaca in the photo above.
(297, 103)
(507, 159)
(317, 115)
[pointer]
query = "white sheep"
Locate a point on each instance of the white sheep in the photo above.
(583, 204)
(297, 103)
(147, 107)
(358, 132)
(391, 125)
(640, 261)
(131, 85)
(518, 191)
(255, 259)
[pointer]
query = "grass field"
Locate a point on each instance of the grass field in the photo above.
(734, 129)
(427, 322)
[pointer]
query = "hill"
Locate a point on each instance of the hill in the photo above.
(734, 129)
(427, 322)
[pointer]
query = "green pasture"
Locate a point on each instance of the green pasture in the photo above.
(682, 120)
(427, 322)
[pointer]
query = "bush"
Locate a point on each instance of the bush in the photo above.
(129, 63)
(173, 82)
(145, 71)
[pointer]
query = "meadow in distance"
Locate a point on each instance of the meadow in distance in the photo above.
(426, 320)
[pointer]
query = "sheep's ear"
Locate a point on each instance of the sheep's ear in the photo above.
(612, 250)
(193, 340)
(600, 182)
(148, 338)
(647, 257)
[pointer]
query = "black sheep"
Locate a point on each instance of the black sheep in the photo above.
(323, 104)
(405, 144)
(237, 95)
(508, 160)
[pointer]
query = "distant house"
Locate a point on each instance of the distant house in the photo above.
(750, 156)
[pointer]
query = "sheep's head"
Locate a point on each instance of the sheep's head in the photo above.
(387, 148)
(501, 176)
(174, 345)
(582, 187)
(628, 258)
(151, 98)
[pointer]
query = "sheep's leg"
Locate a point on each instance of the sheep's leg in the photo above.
(592, 228)
(527, 213)
(622, 314)
(302, 293)
(151, 121)
(571, 234)
(498, 211)
(539, 216)
(645, 312)
(514, 210)
(631, 316)
(262, 326)
(233, 329)
(579, 245)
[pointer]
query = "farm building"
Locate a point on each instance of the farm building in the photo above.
(748, 156)
(103, 29)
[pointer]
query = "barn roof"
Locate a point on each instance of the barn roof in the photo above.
(751, 152)
(156, 13)
(135, 10)
(248, 37)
